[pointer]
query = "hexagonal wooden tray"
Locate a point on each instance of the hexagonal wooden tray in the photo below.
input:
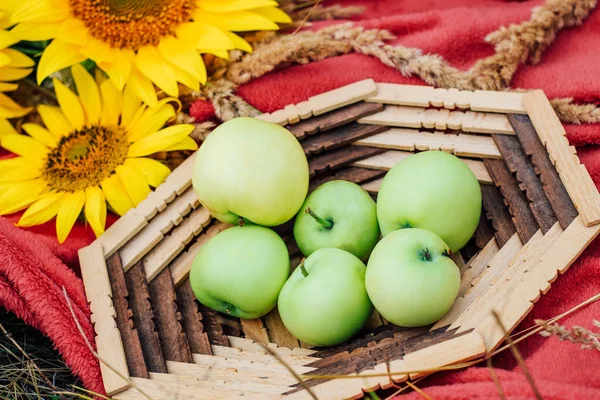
(541, 209)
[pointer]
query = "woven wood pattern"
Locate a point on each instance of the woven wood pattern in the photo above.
(535, 222)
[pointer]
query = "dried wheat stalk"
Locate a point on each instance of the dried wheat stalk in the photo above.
(585, 338)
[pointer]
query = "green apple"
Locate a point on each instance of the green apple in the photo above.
(251, 169)
(240, 271)
(324, 302)
(411, 279)
(337, 214)
(432, 190)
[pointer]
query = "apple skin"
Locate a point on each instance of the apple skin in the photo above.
(432, 190)
(252, 169)
(331, 304)
(353, 214)
(240, 271)
(407, 289)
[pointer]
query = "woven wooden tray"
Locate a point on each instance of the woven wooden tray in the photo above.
(541, 209)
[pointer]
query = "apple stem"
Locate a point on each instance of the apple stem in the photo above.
(303, 269)
(324, 222)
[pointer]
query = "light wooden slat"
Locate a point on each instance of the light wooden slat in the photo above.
(255, 330)
(410, 139)
(166, 251)
(292, 113)
(277, 331)
(270, 368)
(250, 345)
(442, 119)
(232, 352)
(498, 102)
(229, 375)
(342, 96)
(577, 180)
(165, 386)
(181, 266)
(120, 232)
(108, 338)
(304, 110)
(154, 232)
(387, 160)
(495, 268)
(404, 95)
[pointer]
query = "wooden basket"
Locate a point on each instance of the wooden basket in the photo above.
(541, 209)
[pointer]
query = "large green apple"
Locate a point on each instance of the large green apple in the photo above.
(324, 302)
(251, 169)
(240, 271)
(337, 214)
(432, 190)
(411, 279)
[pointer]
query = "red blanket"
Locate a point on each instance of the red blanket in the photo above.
(34, 268)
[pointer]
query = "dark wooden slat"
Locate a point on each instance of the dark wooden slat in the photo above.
(352, 174)
(484, 232)
(514, 198)
(497, 214)
(192, 320)
(143, 318)
(339, 137)
(555, 190)
(172, 337)
(212, 326)
(333, 119)
(336, 159)
(516, 160)
(129, 335)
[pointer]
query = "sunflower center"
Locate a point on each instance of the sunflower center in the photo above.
(85, 158)
(131, 24)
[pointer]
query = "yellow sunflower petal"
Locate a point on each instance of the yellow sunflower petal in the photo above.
(186, 144)
(41, 11)
(184, 56)
(274, 14)
(69, 104)
(184, 77)
(10, 109)
(111, 103)
(116, 195)
(149, 123)
(236, 21)
(41, 134)
(13, 74)
(202, 35)
(95, 209)
(131, 105)
(6, 128)
(7, 39)
(18, 59)
(73, 31)
(4, 58)
(216, 52)
(154, 171)
(18, 169)
(143, 88)
(88, 92)
(54, 120)
(135, 183)
(239, 42)
(58, 55)
(8, 87)
(34, 31)
(160, 140)
(157, 69)
(219, 6)
(97, 50)
(118, 69)
(43, 210)
(70, 208)
(24, 146)
(18, 195)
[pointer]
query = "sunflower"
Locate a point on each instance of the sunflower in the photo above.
(141, 42)
(92, 151)
(14, 65)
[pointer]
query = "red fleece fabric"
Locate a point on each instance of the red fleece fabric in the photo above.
(34, 268)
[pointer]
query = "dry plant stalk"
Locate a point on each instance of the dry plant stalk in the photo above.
(495, 379)
(572, 113)
(577, 334)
